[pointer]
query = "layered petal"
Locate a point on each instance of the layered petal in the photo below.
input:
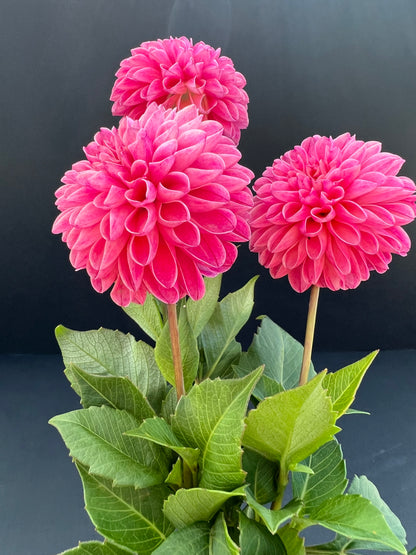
(330, 211)
(175, 72)
(155, 206)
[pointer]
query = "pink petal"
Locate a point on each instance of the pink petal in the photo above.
(184, 235)
(190, 275)
(174, 186)
(164, 265)
(174, 213)
(142, 220)
(217, 221)
(142, 249)
(344, 232)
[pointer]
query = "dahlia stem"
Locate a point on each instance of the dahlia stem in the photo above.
(176, 350)
(309, 335)
(283, 481)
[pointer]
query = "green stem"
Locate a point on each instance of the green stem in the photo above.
(282, 482)
(176, 350)
(310, 331)
(188, 481)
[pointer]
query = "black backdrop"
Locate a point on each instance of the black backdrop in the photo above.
(312, 66)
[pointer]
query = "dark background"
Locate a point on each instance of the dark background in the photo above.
(312, 66)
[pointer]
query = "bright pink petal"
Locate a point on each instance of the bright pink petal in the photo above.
(149, 190)
(330, 211)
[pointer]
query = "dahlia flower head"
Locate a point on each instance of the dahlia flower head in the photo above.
(330, 211)
(155, 206)
(176, 73)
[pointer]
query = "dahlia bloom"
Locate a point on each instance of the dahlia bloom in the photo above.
(330, 211)
(155, 206)
(175, 73)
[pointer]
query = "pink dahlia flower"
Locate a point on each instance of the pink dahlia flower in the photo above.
(175, 73)
(155, 206)
(331, 210)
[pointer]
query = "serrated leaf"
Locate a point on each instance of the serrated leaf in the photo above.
(343, 384)
(364, 487)
(329, 476)
(211, 418)
(112, 353)
(199, 312)
(261, 476)
(220, 541)
(281, 355)
(294, 544)
(188, 347)
(255, 539)
(95, 437)
(271, 518)
(147, 316)
(291, 425)
(96, 548)
(357, 518)
(158, 430)
(193, 539)
(218, 336)
(116, 392)
(187, 506)
(131, 518)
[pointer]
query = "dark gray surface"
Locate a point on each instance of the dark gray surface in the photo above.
(41, 509)
(312, 66)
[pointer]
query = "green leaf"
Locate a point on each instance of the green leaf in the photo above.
(175, 476)
(354, 411)
(112, 353)
(115, 392)
(329, 476)
(294, 544)
(199, 312)
(364, 487)
(189, 351)
(193, 539)
(211, 418)
(131, 518)
(303, 468)
(96, 548)
(336, 547)
(261, 476)
(255, 539)
(357, 518)
(158, 430)
(291, 425)
(218, 336)
(199, 538)
(279, 352)
(169, 405)
(273, 519)
(95, 437)
(413, 552)
(187, 506)
(147, 316)
(343, 384)
(221, 542)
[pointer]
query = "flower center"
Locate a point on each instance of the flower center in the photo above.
(320, 195)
